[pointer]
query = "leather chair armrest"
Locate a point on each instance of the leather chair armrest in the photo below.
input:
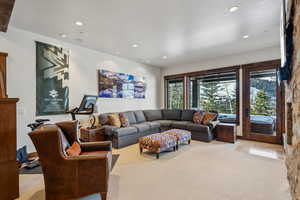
(96, 146)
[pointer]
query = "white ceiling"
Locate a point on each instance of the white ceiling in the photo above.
(186, 31)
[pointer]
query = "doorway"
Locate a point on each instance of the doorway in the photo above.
(262, 103)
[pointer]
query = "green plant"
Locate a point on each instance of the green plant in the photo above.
(261, 104)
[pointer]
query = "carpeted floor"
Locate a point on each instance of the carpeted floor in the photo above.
(200, 171)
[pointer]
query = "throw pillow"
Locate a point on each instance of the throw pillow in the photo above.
(74, 150)
(198, 117)
(103, 119)
(208, 117)
(114, 119)
(124, 120)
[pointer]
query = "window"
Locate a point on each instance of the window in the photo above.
(216, 91)
(175, 93)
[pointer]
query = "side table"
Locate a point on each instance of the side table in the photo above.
(226, 132)
(92, 134)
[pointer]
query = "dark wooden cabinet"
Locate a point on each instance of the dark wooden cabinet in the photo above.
(226, 132)
(92, 134)
(9, 176)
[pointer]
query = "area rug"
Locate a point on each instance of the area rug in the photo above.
(38, 170)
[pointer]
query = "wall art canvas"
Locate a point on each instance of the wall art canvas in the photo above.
(121, 85)
(52, 79)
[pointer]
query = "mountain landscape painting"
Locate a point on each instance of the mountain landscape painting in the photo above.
(120, 85)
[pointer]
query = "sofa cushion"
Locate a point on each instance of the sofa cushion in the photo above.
(130, 117)
(152, 115)
(154, 124)
(103, 119)
(187, 115)
(95, 153)
(121, 132)
(142, 127)
(180, 124)
(164, 123)
(140, 117)
(171, 114)
(197, 127)
(109, 130)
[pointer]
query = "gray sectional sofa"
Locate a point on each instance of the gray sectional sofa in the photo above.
(146, 122)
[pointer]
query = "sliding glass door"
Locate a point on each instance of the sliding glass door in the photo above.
(262, 104)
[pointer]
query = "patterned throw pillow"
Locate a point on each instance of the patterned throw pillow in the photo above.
(208, 117)
(114, 119)
(124, 120)
(74, 150)
(103, 119)
(197, 117)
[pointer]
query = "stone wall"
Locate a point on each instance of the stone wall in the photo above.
(292, 141)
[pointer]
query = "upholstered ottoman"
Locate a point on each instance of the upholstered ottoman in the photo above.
(157, 143)
(183, 136)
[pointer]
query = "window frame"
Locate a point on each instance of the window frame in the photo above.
(166, 95)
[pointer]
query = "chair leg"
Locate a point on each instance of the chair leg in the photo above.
(189, 142)
(157, 155)
(141, 150)
(103, 195)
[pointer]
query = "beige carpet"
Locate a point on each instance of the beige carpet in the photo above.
(200, 171)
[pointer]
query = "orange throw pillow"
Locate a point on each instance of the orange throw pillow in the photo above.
(114, 119)
(74, 150)
(208, 117)
(197, 117)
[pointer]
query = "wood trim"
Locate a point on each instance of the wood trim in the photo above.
(255, 139)
(238, 97)
(3, 78)
(3, 54)
(166, 93)
(203, 72)
(214, 71)
(273, 64)
(263, 65)
(185, 89)
(6, 8)
(187, 98)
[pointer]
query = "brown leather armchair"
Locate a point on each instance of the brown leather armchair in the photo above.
(68, 177)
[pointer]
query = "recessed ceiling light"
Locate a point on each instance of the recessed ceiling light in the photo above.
(233, 9)
(246, 36)
(79, 23)
(165, 57)
(135, 45)
(63, 35)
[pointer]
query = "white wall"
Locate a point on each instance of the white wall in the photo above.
(244, 58)
(20, 45)
(266, 54)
